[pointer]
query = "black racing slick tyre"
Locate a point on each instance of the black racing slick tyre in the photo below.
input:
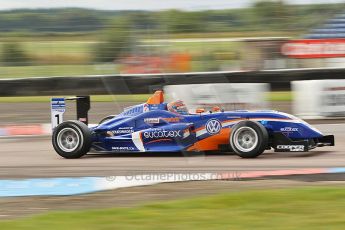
(72, 139)
(249, 139)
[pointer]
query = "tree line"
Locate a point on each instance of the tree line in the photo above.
(263, 15)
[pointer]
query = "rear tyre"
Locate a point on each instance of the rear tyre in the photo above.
(71, 139)
(249, 139)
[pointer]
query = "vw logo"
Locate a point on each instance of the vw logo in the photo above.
(213, 126)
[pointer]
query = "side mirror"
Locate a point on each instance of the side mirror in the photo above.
(200, 110)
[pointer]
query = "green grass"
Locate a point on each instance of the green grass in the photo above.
(49, 46)
(58, 47)
(55, 70)
(56, 52)
(71, 55)
(238, 34)
(280, 96)
(205, 47)
(304, 208)
(71, 58)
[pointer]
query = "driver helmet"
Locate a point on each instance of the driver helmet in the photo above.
(178, 107)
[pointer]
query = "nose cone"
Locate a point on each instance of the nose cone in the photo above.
(308, 130)
(313, 132)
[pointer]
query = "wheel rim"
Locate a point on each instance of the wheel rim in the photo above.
(68, 140)
(245, 139)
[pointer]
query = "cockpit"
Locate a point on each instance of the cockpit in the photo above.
(156, 102)
(178, 106)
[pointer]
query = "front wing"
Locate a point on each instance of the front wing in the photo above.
(282, 143)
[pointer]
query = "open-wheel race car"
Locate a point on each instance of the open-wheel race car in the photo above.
(157, 126)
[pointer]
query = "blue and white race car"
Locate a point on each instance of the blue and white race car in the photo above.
(157, 126)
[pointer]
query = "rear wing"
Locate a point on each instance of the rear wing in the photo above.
(58, 108)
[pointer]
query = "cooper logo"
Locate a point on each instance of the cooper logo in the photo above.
(213, 126)
(292, 148)
(163, 134)
(289, 129)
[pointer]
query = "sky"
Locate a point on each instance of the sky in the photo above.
(142, 4)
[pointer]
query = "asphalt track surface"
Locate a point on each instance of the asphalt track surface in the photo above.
(32, 157)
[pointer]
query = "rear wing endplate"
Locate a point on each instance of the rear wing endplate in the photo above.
(58, 108)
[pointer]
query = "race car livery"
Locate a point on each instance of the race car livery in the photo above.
(152, 127)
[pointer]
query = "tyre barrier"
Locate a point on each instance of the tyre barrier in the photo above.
(25, 130)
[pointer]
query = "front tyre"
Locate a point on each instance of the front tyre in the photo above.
(71, 139)
(249, 139)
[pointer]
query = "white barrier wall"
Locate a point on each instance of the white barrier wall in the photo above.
(230, 96)
(319, 98)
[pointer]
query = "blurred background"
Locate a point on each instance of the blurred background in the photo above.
(275, 42)
(106, 38)
(286, 55)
